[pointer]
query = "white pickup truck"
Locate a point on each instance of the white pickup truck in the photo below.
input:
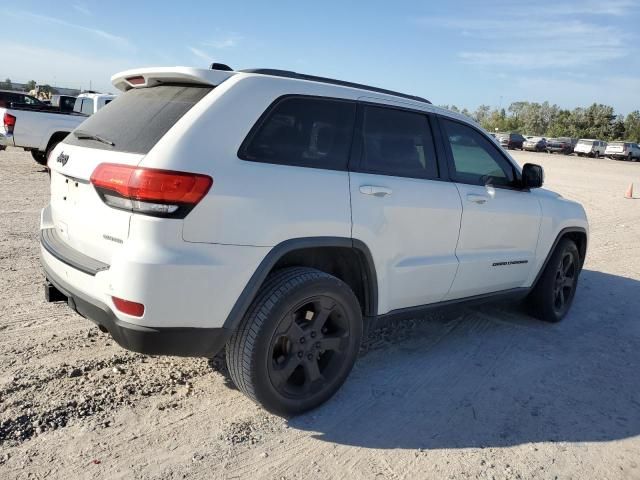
(39, 129)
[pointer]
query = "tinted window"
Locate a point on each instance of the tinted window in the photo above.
(137, 119)
(67, 103)
(7, 98)
(87, 106)
(475, 159)
(397, 142)
(305, 132)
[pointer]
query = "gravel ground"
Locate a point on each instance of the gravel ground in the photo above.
(484, 393)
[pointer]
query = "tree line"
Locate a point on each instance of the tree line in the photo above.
(543, 119)
(30, 85)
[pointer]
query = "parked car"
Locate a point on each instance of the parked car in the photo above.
(590, 147)
(186, 217)
(623, 151)
(63, 102)
(561, 145)
(39, 128)
(535, 144)
(8, 97)
(511, 140)
(90, 103)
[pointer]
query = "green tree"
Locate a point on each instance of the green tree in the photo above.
(560, 125)
(618, 129)
(48, 89)
(31, 84)
(632, 126)
(481, 114)
(6, 85)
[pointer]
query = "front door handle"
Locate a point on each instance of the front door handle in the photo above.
(375, 190)
(479, 199)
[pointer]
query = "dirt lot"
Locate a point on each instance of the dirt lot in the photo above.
(487, 393)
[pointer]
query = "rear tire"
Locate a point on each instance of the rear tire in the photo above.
(553, 295)
(298, 341)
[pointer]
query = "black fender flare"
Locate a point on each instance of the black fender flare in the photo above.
(276, 253)
(559, 237)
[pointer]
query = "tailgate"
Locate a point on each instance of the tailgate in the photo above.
(81, 219)
(122, 133)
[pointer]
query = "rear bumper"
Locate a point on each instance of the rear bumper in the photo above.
(181, 284)
(3, 141)
(618, 156)
(558, 149)
(184, 342)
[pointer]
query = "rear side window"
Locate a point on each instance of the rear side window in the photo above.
(475, 159)
(304, 132)
(87, 106)
(136, 120)
(397, 142)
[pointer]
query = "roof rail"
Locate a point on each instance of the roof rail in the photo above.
(331, 81)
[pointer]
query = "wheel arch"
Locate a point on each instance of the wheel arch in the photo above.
(346, 258)
(56, 137)
(578, 235)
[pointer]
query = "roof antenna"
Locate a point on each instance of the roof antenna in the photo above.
(221, 66)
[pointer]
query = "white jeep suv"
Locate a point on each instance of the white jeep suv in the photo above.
(281, 215)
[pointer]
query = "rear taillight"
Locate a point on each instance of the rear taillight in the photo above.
(130, 308)
(9, 122)
(160, 193)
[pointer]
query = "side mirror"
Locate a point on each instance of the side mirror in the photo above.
(532, 175)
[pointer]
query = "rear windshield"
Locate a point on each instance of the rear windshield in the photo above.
(586, 142)
(136, 120)
(618, 144)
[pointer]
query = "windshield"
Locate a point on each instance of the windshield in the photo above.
(136, 120)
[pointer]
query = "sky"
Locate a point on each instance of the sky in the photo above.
(462, 52)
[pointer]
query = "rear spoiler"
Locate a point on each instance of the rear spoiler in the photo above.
(148, 77)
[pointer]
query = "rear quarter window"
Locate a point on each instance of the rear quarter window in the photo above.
(136, 120)
(303, 131)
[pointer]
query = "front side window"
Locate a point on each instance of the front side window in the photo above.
(397, 142)
(475, 159)
(304, 132)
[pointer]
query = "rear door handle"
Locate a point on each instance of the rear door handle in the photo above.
(375, 190)
(479, 199)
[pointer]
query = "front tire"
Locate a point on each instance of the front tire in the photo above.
(298, 341)
(553, 295)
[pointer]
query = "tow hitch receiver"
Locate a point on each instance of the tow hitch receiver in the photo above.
(52, 294)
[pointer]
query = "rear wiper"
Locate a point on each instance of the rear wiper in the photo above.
(82, 135)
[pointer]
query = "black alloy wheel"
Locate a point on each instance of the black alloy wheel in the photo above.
(308, 347)
(565, 284)
(298, 341)
(553, 293)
